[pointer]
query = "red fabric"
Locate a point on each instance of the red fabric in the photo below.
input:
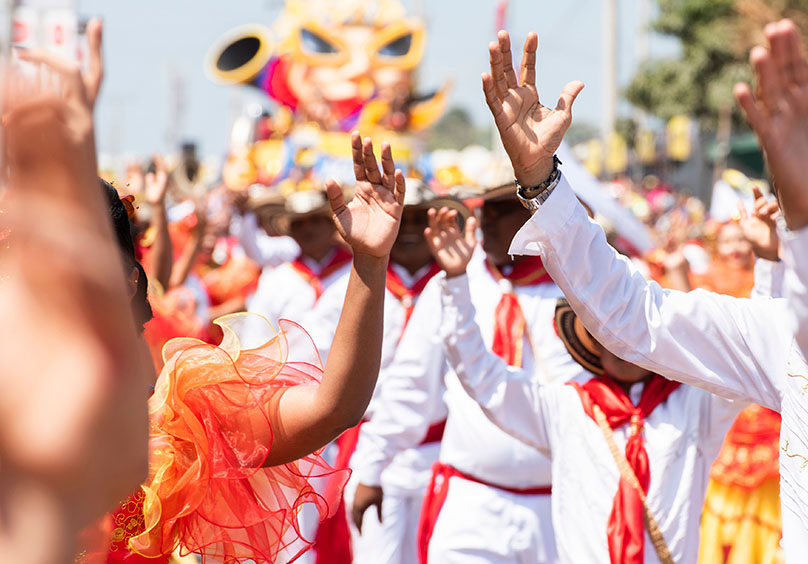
(332, 543)
(435, 433)
(405, 294)
(276, 83)
(509, 320)
(436, 496)
(128, 522)
(211, 418)
(625, 530)
(340, 258)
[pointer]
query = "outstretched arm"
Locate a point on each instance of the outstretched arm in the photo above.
(778, 113)
(504, 394)
(730, 347)
(73, 419)
(309, 417)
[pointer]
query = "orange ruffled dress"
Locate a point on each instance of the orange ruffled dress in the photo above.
(210, 435)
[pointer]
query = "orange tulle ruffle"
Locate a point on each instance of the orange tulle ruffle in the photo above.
(210, 435)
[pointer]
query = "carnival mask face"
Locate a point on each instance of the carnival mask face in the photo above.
(351, 63)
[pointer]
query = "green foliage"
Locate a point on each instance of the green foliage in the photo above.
(712, 61)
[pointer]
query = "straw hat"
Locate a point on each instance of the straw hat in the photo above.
(580, 344)
(295, 206)
(494, 182)
(419, 195)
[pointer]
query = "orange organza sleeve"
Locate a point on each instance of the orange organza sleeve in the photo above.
(210, 434)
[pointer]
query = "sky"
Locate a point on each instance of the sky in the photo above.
(148, 42)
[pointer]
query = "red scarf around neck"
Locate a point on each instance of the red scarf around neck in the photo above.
(340, 258)
(407, 295)
(626, 530)
(510, 324)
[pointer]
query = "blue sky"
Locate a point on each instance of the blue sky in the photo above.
(147, 41)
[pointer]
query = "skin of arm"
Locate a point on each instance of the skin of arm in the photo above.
(73, 421)
(185, 262)
(162, 252)
(309, 417)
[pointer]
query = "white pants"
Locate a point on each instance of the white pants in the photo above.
(393, 540)
(482, 525)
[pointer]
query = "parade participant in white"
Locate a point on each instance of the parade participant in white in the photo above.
(682, 429)
(391, 539)
(291, 290)
(742, 349)
(487, 493)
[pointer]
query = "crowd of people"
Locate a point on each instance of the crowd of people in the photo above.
(380, 373)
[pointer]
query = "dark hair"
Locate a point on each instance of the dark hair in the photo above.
(126, 243)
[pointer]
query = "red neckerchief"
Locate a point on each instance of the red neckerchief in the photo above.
(340, 258)
(625, 530)
(406, 295)
(509, 320)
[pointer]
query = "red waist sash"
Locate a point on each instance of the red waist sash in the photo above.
(436, 496)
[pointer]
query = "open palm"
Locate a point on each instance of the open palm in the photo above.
(451, 248)
(530, 132)
(778, 113)
(370, 222)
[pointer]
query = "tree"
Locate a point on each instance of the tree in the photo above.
(716, 36)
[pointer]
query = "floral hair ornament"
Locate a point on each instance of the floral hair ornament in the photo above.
(131, 209)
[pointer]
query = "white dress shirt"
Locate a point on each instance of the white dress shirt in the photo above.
(735, 348)
(412, 390)
(263, 249)
(283, 293)
(682, 437)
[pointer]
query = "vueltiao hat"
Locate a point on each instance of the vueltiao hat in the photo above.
(579, 343)
(419, 195)
(496, 182)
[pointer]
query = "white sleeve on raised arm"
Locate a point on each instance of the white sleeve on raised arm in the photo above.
(728, 346)
(260, 247)
(508, 396)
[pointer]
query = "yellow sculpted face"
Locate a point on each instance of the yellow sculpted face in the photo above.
(352, 62)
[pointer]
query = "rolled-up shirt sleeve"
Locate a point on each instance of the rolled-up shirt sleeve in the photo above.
(509, 397)
(728, 346)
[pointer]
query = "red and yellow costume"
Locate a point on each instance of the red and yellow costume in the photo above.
(211, 433)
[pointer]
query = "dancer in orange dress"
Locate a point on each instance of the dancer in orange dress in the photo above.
(236, 429)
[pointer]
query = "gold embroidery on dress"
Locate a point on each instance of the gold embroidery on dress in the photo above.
(804, 387)
(795, 455)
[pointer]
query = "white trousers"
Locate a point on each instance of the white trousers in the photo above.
(393, 540)
(483, 525)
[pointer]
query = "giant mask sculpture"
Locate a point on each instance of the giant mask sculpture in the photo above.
(341, 64)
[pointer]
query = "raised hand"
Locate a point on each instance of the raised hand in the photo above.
(370, 222)
(760, 229)
(157, 183)
(530, 132)
(778, 112)
(451, 248)
(73, 417)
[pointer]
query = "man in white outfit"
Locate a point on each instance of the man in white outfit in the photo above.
(738, 349)
(488, 499)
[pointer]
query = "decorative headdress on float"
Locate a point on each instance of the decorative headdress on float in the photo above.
(342, 64)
